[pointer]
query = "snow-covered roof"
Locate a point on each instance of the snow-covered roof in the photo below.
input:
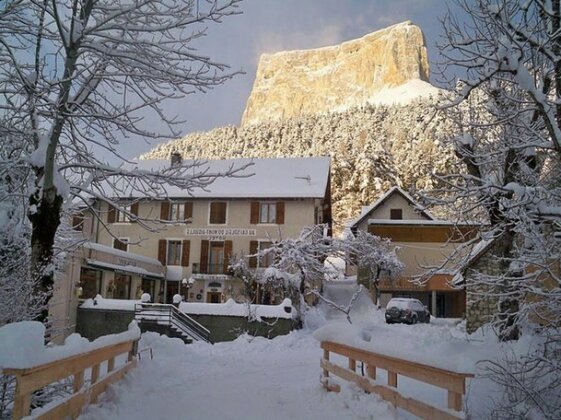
(113, 251)
(367, 211)
(305, 177)
(420, 222)
(128, 268)
(477, 251)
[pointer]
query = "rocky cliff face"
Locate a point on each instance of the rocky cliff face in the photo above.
(336, 78)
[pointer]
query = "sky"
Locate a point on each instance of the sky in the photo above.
(269, 26)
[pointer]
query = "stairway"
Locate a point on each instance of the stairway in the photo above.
(167, 319)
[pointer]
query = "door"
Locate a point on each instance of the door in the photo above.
(214, 297)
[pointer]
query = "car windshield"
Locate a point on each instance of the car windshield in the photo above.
(401, 304)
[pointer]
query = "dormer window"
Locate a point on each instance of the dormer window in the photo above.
(396, 214)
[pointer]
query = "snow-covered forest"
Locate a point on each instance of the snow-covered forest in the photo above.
(372, 148)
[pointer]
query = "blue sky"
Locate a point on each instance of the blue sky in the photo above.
(268, 26)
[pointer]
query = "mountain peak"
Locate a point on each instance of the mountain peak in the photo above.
(335, 78)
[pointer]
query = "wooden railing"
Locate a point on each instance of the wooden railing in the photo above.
(32, 379)
(453, 382)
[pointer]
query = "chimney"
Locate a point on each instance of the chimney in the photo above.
(176, 158)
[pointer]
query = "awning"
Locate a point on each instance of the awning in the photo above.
(126, 269)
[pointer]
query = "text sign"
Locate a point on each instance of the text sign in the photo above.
(219, 232)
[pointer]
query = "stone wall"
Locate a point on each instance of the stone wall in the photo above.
(480, 305)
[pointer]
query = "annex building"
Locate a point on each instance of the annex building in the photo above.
(424, 245)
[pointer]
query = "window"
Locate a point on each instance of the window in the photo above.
(122, 286)
(267, 212)
(121, 243)
(90, 281)
(148, 286)
(267, 259)
(78, 222)
(217, 213)
(121, 216)
(396, 214)
(174, 253)
(177, 212)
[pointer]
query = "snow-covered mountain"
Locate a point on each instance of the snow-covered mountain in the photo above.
(386, 66)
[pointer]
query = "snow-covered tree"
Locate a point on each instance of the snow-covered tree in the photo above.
(78, 76)
(507, 107)
(374, 255)
(299, 266)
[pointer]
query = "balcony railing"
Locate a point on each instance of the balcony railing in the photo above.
(210, 269)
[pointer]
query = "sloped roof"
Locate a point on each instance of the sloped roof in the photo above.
(263, 178)
(394, 190)
(478, 250)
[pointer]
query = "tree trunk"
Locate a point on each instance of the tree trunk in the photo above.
(44, 221)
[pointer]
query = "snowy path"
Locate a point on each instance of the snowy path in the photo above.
(255, 378)
(261, 379)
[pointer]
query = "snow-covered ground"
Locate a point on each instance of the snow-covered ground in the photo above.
(257, 378)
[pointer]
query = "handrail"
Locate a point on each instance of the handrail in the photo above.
(453, 382)
(173, 316)
(29, 380)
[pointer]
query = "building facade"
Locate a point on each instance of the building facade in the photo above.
(425, 245)
(194, 235)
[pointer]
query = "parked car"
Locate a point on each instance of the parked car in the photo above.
(406, 310)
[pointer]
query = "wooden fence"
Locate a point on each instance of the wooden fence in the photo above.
(453, 382)
(32, 379)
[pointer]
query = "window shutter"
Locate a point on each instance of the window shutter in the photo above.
(188, 210)
(164, 210)
(204, 256)
(254, 217)
(162, 248)
(253, 245)
(111, 214)
(280, 213)
(227, 255)
(134, 210)
(185, 253)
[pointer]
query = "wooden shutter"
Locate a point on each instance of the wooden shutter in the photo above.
(280, 213)
(253, 245)
(204, 256)
(162, 248)
(185, 253)
(134, 210)
(188, 211)
(254, 216)
(111, 214)
(218, 212)
(164, 210)
(227, 255)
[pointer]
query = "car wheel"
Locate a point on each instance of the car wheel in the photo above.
(413, 320)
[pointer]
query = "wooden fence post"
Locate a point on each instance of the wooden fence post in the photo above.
(371, 371)
(392, 379)
(326, 357)
(22, 402)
